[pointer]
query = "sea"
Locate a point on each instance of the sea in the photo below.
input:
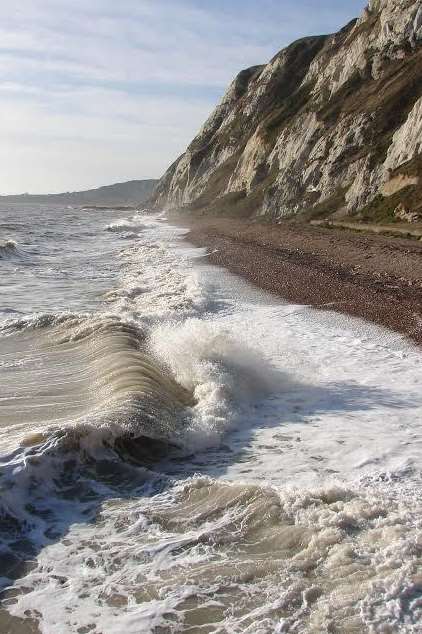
(182, 452)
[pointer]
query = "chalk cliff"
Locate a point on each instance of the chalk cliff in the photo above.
(332, 125)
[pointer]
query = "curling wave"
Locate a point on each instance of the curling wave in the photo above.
(102, 378)
(96, 379)
(77, 390)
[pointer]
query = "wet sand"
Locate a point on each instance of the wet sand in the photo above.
(374, 277)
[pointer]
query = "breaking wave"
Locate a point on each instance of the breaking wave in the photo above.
(179, 383)
(130, 228)
(105, 383)
(37, 320)
(224, 376)
(109, 394)
(8, 248)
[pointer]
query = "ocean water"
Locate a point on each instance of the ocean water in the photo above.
(180, 452)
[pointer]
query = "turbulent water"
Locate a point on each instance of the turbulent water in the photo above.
(182, 453)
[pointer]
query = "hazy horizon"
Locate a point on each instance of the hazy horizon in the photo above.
(98, 95)
(79, 191)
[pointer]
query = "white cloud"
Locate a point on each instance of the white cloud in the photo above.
(106, 137)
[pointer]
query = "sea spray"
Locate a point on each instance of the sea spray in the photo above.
(8, 248)
(224, 375)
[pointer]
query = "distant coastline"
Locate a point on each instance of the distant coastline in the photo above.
(108, 207)
(128, 194)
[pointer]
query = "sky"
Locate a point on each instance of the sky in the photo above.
(94, 92)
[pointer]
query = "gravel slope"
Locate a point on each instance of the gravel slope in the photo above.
(373, 277)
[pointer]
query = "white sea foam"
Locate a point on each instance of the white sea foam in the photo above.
(224, 376)
(239, 557)
(305, 431)
(159, 283)
(8, 248)
(133, 227)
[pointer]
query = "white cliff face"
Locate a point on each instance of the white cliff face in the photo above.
(384, 27)
(407, 141)
(323, 123)
(245, 171)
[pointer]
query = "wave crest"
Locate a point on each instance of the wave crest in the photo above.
(224, 375)
(130, 227)
(8, 248)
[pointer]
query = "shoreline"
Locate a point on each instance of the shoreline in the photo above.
(372, 277)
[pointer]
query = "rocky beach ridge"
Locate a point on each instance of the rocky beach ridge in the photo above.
(368, 276)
